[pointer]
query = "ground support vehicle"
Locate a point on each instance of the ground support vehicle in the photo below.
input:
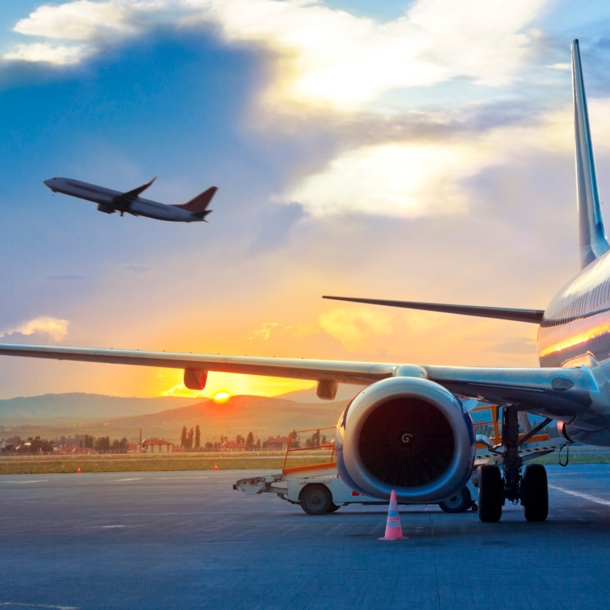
(318, 488)
(320, 492)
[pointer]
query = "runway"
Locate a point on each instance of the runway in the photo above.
(188, 540)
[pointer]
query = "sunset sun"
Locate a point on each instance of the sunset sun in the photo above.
(221, 397)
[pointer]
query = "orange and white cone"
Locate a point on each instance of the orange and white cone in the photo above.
(393, 529)
(78, 470)
(215, 466)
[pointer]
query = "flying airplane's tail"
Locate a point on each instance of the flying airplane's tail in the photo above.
(198, 205)
(593, 242)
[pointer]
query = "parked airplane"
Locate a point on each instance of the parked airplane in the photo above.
(109, 201)
(409, 430)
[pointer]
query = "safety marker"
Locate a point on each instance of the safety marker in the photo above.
(78, 470)
(215, 466)
(393, 529)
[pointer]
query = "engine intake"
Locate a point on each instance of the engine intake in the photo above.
(406, 434)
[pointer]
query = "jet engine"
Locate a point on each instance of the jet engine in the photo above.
(405, 434)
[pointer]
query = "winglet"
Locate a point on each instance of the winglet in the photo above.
(593, 241)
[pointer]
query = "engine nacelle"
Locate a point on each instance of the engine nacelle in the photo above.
(409, 435)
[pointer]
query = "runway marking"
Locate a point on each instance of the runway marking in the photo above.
(108, 527)
(24, 483)
(138, 479)
(39, 606)
(581, 495)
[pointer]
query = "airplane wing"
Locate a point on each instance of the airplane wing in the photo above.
(499, 313)
(552, 392)
(135, 193)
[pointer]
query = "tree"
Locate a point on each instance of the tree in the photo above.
(314, 440)
(87, 442)
(250, 441)
(102, 443)
(183, 437)
(240, 439)
(124, 444)
(258, 444)
(189, 439)
(197, 437)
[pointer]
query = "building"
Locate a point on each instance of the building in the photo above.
(279, 443)
(157, 445)
(231, 446)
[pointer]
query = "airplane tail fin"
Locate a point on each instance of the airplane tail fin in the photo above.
(593, 242)
(198, 205)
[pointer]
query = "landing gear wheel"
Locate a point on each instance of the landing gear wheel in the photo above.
(459, 503)
(535, 493)
(491, 494)
(316, 499)
(334, 508)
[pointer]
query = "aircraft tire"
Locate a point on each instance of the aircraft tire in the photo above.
(535, 493)
(459, 503)
(334, 508)
(316, 499)
(491, 494)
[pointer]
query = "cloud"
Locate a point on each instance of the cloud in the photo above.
(82, 20)
(407, 180)
(352, 327)
(325, 57)
(59, 55)
(44, 325)
(331, 57)
(416, 178)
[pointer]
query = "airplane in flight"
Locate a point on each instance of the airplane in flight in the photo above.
(409, 429)
(109, 201)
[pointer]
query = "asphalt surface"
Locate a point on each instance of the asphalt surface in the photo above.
(187, 540)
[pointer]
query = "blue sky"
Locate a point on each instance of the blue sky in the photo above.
(402, 150)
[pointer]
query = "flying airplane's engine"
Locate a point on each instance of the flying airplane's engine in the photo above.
(409, 435)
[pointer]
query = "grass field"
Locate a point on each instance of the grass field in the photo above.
(138, 463)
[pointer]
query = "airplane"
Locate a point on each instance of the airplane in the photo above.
(109, 201)
(410, 429)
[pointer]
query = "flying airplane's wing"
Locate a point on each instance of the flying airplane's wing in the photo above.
(135, 193)
(500, 313)
(558, 392)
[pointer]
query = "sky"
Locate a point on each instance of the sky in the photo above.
(402, 150)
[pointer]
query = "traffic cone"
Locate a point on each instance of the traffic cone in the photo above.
(215, 466)
(78, 470)
(393, 529)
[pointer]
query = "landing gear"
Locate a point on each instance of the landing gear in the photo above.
(531, 488)
(459, 503)
(535, 493)
(491, 494)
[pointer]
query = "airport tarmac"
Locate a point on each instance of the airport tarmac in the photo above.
(188, 540)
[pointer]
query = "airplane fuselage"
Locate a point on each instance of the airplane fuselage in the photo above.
(575, 330)
(111, 201)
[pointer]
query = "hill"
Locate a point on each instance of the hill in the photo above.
(262, 416)
(239, 415)
(83, 406)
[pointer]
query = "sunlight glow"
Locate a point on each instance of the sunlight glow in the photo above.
(221, 397)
